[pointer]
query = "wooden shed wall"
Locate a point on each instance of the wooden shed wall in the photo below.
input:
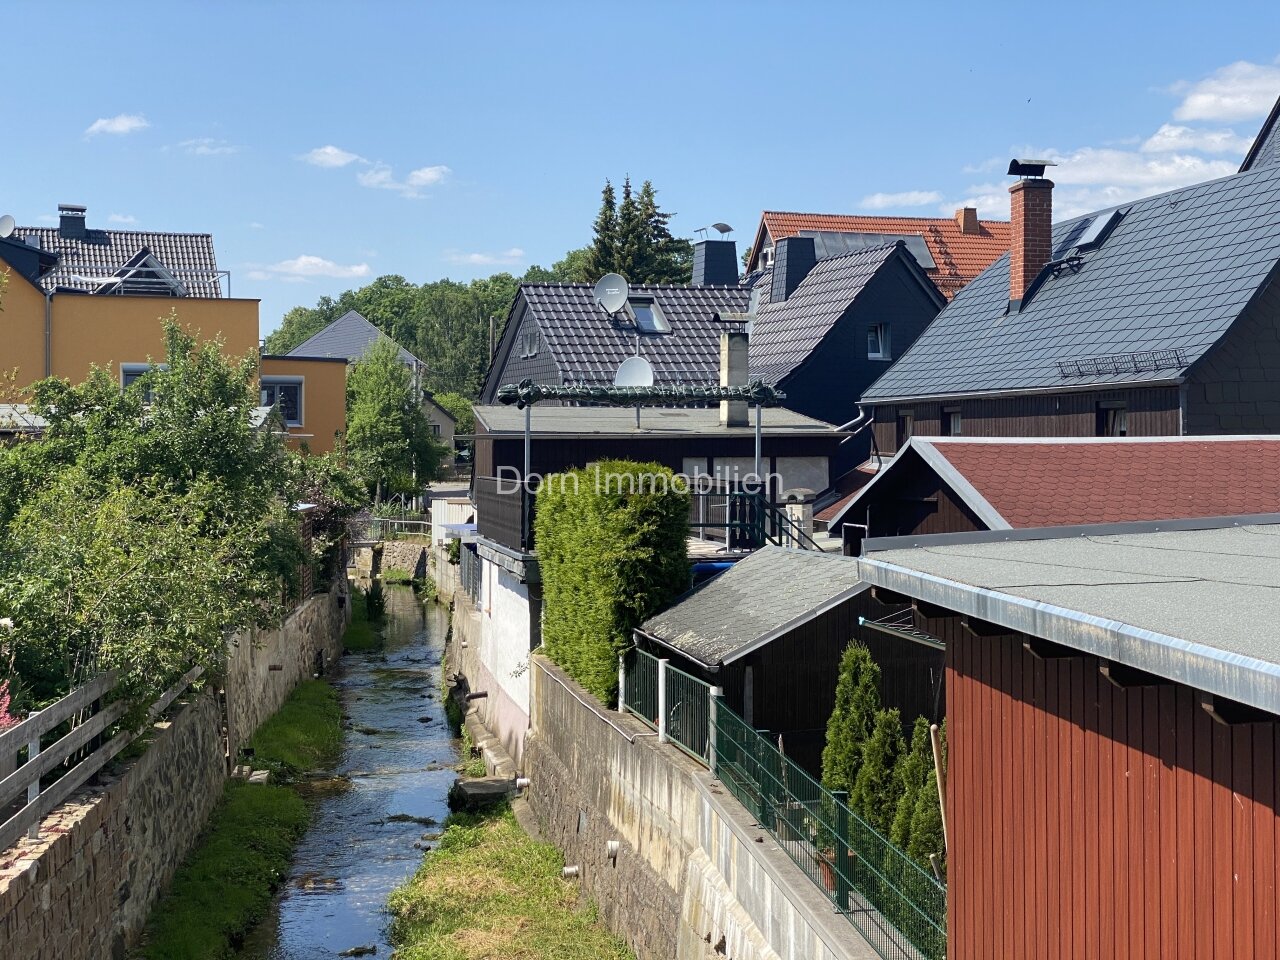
(1089, 821)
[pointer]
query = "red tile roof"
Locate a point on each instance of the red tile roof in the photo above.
(1055, 484)
(959, 256)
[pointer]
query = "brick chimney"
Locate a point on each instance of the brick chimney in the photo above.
(733, 373)
(793, 258)
(1032, 234)
(71, 221)
(967, 220)
(715, 262)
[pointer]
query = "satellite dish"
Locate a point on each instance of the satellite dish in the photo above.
(634, 372)
(723, 228)
(612, 292)
(7, 224)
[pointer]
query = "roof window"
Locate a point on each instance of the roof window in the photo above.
(647, 315)
(1099, 229)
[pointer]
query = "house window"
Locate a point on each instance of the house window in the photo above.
(951, 423)
(435, 429)
(878, 342)
(529, 342)
(647, 315)
(131, 372)
(1112, 419)
(287, 392)
(906, 424)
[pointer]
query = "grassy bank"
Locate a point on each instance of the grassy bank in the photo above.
(489, 890)
(225, 885)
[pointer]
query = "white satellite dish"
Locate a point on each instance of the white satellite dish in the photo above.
(612, 292)
(7, 224)
(634, 372)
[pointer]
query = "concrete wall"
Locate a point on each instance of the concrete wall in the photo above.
(490, 648)
(84, 889)
(695, 878)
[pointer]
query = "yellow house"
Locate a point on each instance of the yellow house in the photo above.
(78, 297)
(312, 395)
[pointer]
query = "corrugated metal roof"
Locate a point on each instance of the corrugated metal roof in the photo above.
(760, 597)
(348, 337)
(85, 263)
(588, 345)
(1173, 275)
(785, 334)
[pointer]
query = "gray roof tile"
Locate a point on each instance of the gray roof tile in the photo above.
(753, 601)
(349, 337)
(1175, 273)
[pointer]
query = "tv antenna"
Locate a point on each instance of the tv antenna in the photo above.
(611, 292)
(7, 225)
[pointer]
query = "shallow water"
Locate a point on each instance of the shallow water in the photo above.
(360, 844)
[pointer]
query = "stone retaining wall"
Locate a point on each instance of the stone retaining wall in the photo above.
(695, 878)
(84, 889)
(405, 555)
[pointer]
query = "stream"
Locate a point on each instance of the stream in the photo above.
(360, 844)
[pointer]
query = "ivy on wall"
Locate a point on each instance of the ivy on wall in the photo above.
(612, 552)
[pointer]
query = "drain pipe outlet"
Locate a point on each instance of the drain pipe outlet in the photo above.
(611, 848)
(571, 873)
(478, 695)
(522, 783)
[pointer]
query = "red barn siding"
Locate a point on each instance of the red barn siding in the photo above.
(1089, 821)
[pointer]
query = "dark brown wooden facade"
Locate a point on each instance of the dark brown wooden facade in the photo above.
(1090, 820)
(1149, 412)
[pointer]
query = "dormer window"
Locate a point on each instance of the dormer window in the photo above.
(647, 315)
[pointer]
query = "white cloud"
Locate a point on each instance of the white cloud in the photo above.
(255, 225)
(208, 147)
(381, 177)
(1171, 138)
(1238, 91)
(511, 256)
(122, 218)
(908, 198)
(306, 266)
(331, 156)
(120, 123)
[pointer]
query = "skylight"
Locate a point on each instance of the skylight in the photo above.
(647, 315)
(1098, 229)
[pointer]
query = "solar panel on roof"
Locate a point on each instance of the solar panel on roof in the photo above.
(835, 243)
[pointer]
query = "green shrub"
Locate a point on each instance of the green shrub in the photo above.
(612, 552)
(911, 773)
(455, 552)
(857, 700)
(926, 818)
(875, 789)
(397, 575)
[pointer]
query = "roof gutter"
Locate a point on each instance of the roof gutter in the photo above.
(712, 667)
(1028, 391)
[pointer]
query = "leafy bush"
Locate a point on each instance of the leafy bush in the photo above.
(612, 552)
(455, 552)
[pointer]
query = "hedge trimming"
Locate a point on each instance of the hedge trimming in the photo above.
(611, 555)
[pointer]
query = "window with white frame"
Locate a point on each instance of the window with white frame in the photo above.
(287, 393)
(130, 373)
(878, 342)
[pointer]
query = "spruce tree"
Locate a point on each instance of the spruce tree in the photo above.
(633, 246)
(911, 774)
(602, 255)
(667, 259)
(875, 790)
(857, 700)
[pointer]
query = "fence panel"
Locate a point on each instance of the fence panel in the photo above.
(688, 704)
(641, 693)
(896, 905)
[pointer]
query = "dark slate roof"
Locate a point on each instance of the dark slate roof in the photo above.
(755, 601)
(654, 421)
(1266, 145)
(786, 334)
(349, 337)
(588, 345)
(1173, 275)
(84, 264)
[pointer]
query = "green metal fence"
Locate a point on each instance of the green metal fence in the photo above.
(896, 905)
(688, 709)
(640, 691)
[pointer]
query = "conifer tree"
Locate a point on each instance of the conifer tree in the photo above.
(875, 789)
(911, 774)
(602, 255)
(668, 260)
(926, 819)
(857, 700)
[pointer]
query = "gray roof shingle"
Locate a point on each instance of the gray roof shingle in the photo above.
(349, 337)
(756, 600)
(1174, 274)
(84, 264)
(785, 334)
(588, 345)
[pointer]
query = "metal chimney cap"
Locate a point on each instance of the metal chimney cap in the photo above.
(72, 208)
(1029, 168)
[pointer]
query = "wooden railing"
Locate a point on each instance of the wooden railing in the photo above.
(78, 754)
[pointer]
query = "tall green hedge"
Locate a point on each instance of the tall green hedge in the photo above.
(612, 552)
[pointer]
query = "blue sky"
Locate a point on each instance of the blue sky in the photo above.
(326, 144)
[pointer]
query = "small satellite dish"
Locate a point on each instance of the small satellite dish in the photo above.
(7, 224)
(634, 372)
(612, 292)
(723, 228)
